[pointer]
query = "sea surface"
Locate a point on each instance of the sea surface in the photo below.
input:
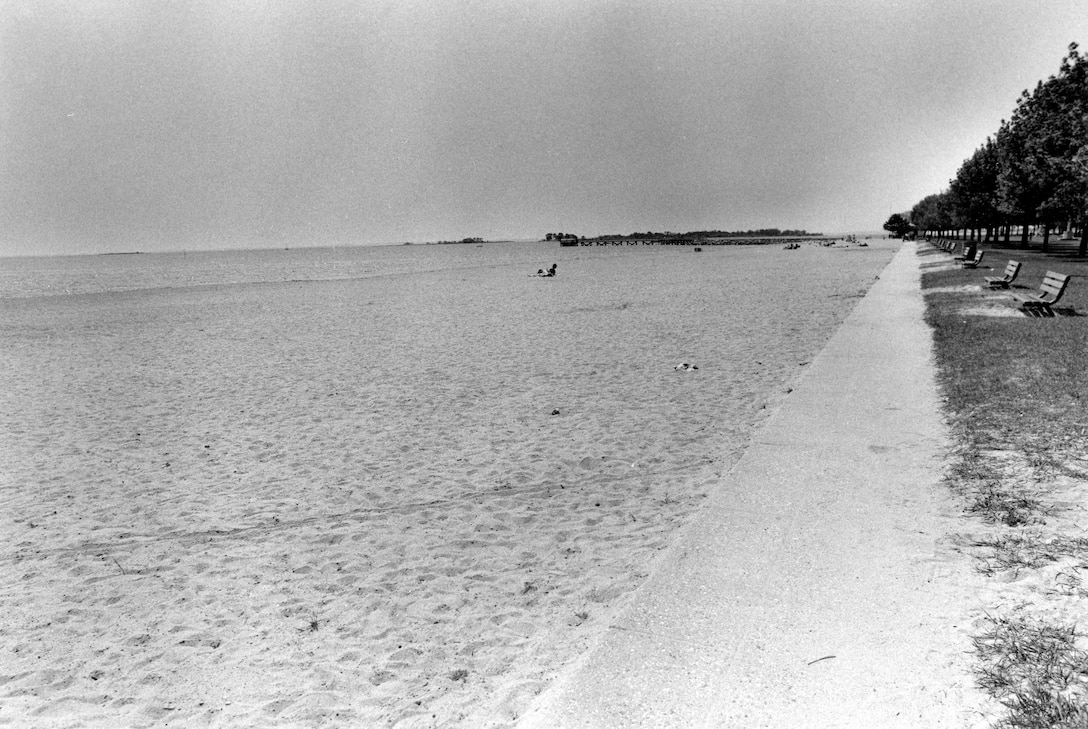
(64, 275)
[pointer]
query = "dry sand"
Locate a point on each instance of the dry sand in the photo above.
(405, 500)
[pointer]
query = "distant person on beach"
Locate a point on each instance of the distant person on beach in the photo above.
(545, 274)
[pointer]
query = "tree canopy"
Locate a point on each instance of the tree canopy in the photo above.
(898, 225)
(1033, 171)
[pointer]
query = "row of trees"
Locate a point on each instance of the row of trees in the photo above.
(650, 235)
(1032, 172)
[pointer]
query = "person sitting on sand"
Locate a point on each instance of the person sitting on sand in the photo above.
(545, 274)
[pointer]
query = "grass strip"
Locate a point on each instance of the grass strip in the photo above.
(1016, 398)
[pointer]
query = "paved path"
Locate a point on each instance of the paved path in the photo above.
(816, 589)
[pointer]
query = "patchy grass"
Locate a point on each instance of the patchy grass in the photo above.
(987, 492)
(1028, 551)
(1037, 670)
(997, 504)
(1016, 380)
(1012, 383)
(1016, 393)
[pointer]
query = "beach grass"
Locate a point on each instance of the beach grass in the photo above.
(1016, 399)
(1036, 669)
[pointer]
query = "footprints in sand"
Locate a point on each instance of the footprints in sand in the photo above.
(340, 542)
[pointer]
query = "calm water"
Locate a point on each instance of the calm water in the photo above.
(64, 275)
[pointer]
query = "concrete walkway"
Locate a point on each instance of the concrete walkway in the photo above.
(816, 589)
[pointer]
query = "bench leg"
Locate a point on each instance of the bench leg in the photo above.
(1037, 309)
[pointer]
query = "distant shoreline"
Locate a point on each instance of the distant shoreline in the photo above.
(693, 241)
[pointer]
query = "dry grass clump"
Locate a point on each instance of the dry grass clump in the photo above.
(1029, 551)
(1036, 670)
(1041, 709)
(989, 495)
(998, 505)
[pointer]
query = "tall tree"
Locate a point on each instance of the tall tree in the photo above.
(1019, 181)
(1034, 170)
(898, 225)
(1056, 130)
(974, 189)
(932, 214)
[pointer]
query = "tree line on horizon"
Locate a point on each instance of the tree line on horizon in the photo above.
(1033, 172)
(650, 235)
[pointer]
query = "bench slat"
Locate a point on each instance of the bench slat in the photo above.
(1050, 291)
(1012, 268)
(1053, 283)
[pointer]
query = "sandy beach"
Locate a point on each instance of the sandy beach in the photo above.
(404, 499)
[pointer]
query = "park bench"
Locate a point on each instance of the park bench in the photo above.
(973, 262)
(1050, 291)
(1012, 269)
(965, 253)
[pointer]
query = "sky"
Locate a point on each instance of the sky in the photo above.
(192, 124)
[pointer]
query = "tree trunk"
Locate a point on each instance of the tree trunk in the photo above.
(1046, 236)
(1008, 232)
(1024, 233)
(1083, 251)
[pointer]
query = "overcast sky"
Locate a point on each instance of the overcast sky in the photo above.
(155, 125)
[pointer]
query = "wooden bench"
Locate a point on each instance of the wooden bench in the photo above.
(965, 253)
(973, 262)
(1012, 269)
(1050, 291)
